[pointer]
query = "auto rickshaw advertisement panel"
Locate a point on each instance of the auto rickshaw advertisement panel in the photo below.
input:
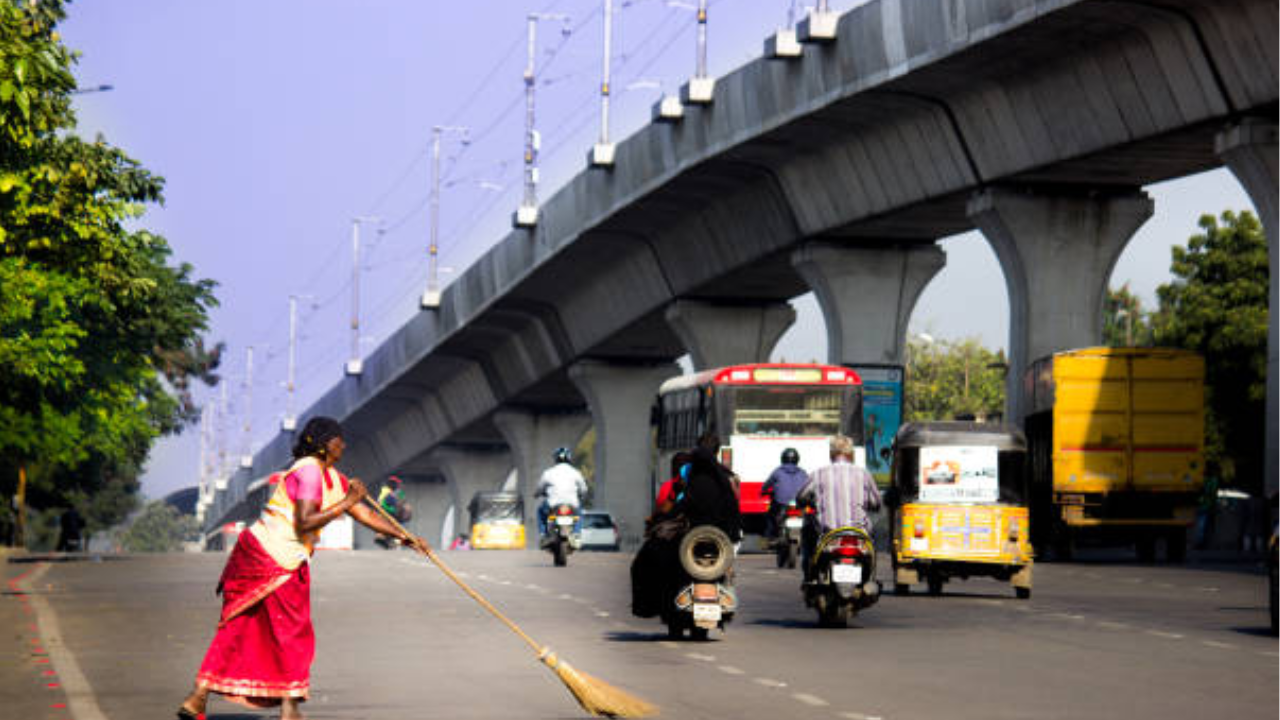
(959, 473)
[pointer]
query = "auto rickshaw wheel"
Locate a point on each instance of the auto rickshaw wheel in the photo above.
(675, 630)
(1175, 545)
(1146, 549)
(699, 634)
(1023, 593)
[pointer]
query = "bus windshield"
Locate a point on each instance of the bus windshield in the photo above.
(787, 410)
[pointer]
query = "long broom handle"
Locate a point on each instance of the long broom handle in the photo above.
(425, 549)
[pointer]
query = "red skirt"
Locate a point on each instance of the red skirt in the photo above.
(264, 646)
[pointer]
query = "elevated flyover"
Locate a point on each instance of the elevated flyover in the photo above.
(1036, 121)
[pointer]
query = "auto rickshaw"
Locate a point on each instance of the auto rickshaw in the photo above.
(497, 521)
(958, 505)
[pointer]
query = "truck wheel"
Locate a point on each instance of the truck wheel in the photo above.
(935, 584)
(1175, 546)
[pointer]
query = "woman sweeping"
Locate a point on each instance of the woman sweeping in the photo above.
(261, 655)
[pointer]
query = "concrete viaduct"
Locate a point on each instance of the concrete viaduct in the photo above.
(1037, 122)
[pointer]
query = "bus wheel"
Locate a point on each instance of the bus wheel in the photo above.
(1175, 545)
(901, 589)
(1146, 547)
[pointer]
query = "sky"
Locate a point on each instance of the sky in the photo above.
(277, 123)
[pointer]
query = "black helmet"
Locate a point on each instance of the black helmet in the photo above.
(562, 455)
(790, 457)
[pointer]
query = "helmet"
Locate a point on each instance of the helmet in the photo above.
(562, 455)
(790, 457)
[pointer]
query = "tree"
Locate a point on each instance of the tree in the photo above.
(1124, 322)
(1217, 306)
(950, 379)
(99, 334)
(159, 528)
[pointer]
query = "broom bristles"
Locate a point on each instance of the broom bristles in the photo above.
(597, 696)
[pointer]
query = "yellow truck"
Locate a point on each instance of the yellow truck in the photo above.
(1116, 448)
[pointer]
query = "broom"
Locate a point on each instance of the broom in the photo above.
(595, 696)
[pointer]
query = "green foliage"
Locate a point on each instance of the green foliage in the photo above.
(947, 379)
(159, 528)
(1124, 322)
(99, 334)
(1217, 306)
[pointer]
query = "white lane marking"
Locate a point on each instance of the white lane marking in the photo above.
(731, 670)
(1113, 625)
(808, 699)
(1216, 644)
(700, 656)
(1268, 653)
(1134, 580)
(1208, 589)
(1163, 585)
(84, 705)
(859, 716)
(601, 613)
(1093, 576)
(668, 645)
(769, 682)
(531, 586)
(1171, 636)
(1066, 616)
(1022, 608)
(565, 596)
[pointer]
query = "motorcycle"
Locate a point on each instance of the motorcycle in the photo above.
(705, 598)
(562, 538)
(787, 544)
(842, 576)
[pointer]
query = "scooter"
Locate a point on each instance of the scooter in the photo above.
(787, 545)
(561, 538)
(705, 598)
(842, 576)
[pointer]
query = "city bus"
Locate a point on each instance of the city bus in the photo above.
(758, 411)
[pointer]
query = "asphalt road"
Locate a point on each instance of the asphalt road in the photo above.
(120, 639)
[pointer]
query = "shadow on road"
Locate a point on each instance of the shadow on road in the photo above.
(632, 636)
(1255, 630)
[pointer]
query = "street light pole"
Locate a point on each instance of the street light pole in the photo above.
(355, 365)
(431, 297)
(527, 214)
(246, 457)
(602, 153)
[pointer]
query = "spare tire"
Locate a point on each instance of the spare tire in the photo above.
(706, 553)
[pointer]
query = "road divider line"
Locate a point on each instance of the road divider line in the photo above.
(1161, 633)
(1216, 644)
(859, 716)
(1114, 625)
(731, 670)
(808, 699)
(668, 645)
(769, 682)
(700, 656)
(84, 704)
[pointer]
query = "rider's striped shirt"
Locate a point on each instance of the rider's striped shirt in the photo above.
(843, 494)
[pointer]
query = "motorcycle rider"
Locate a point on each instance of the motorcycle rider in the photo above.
(561, 484)
(843, 494)
(781, 488)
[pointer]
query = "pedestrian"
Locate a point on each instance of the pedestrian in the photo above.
(843, 495)
(70, 527)
(261, 654)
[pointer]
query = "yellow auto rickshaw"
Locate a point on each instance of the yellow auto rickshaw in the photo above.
(497, 521)
(958, 505)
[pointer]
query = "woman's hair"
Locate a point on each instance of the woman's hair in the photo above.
(679, 460)
(315, 436)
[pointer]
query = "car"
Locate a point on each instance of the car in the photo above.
(599, 531)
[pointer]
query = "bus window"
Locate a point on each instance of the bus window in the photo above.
(787, 411)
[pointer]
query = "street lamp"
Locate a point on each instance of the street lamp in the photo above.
(526, 215)
(93, 89)
(355, 366)
(602, 151)
(431, 297)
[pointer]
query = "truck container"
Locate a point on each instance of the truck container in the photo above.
(1116, 446)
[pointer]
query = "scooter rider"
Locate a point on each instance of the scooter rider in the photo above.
(781, 488)
(843, 494)
(561, 484)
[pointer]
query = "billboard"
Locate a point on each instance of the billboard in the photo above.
(881, 416)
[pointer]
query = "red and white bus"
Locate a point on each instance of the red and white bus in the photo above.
(758, 411)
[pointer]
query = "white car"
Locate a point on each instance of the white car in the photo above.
(599, 531)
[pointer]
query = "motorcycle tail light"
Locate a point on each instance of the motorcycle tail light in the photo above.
(565, 510)
(848, 551)
(793, 512)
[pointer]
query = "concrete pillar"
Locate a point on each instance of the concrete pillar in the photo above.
(533, 437)
(430, 498)
(467, 472)
(867, 293)
(1057, 253)
(717, 335)
(1249, 149)
(620, 398)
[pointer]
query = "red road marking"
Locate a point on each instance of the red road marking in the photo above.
(58, 706)
(42, 660)
(50, 672)
(53, 685)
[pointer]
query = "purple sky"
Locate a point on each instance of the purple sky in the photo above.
(275, 123)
